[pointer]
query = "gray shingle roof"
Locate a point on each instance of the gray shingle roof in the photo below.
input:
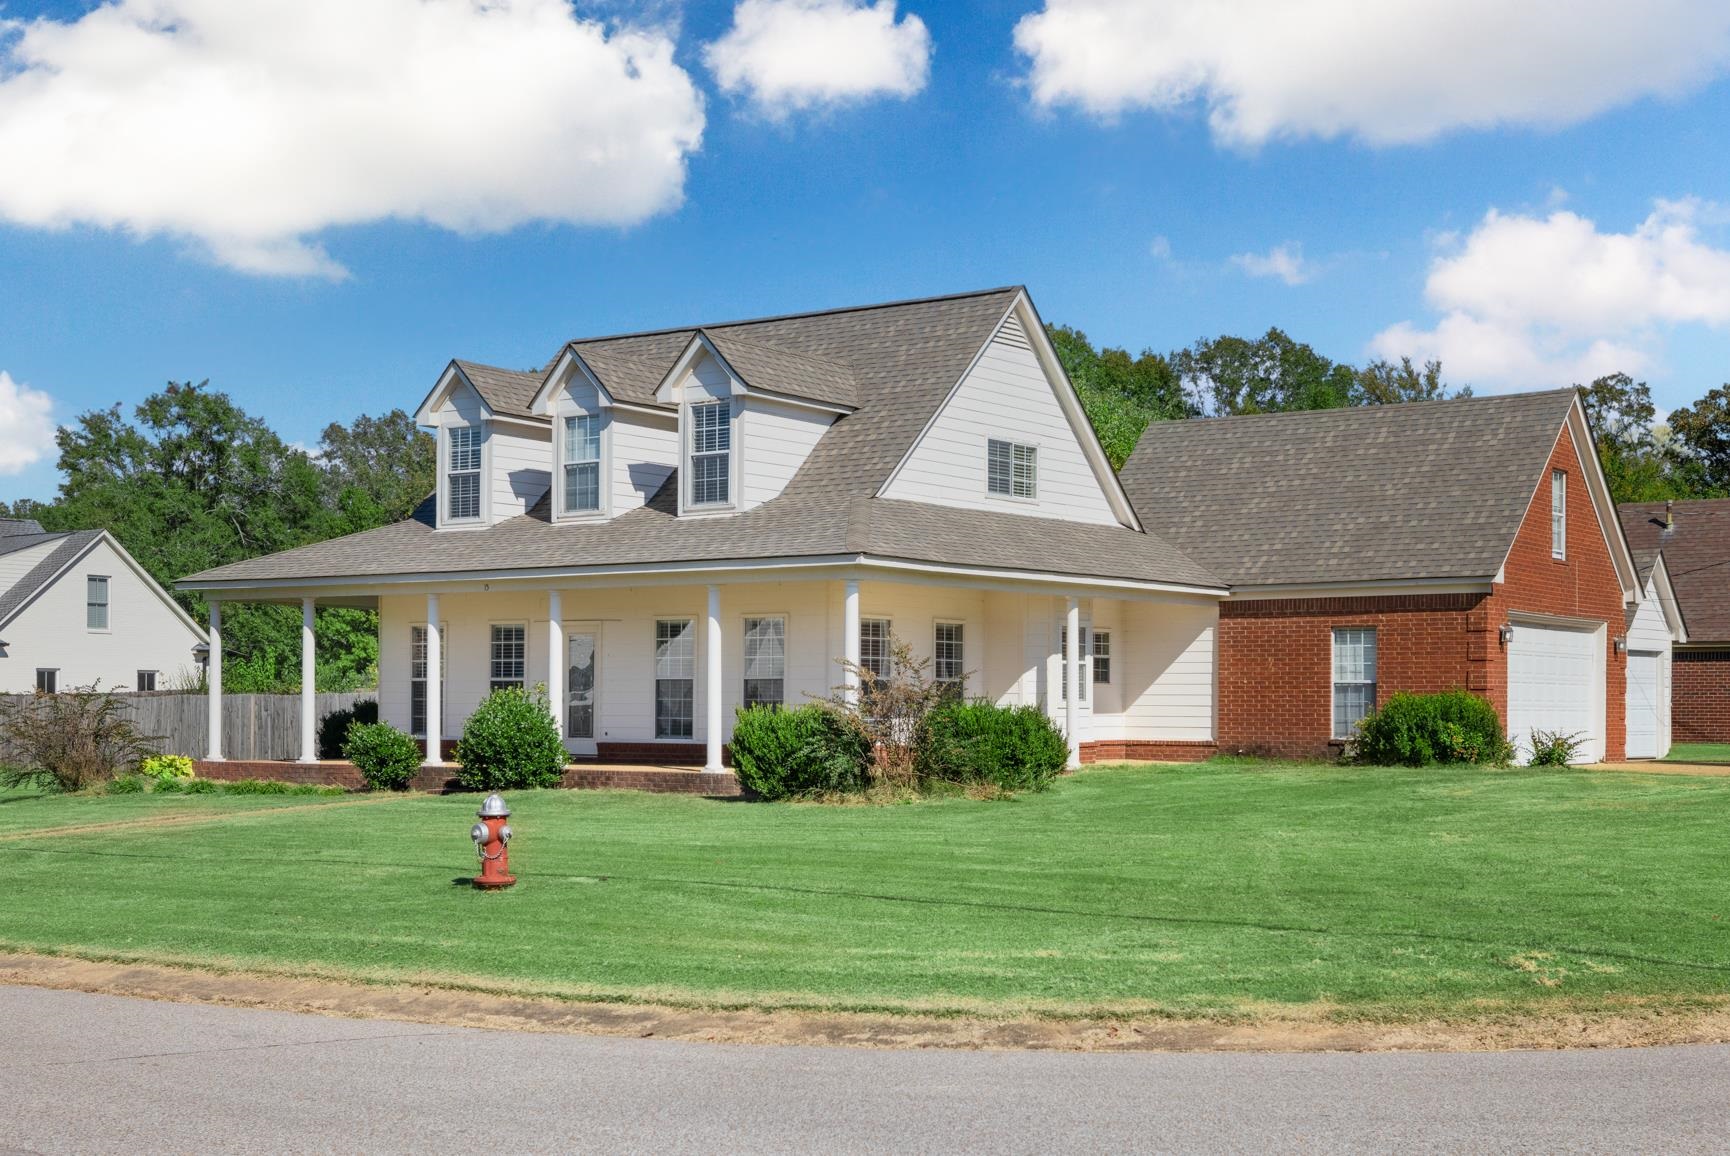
(27, 587)
(19, 527)
(1377, 493)
(1696, 554)
(785, 371)
(506, 391)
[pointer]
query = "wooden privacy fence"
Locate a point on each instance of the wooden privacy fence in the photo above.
(254, 726)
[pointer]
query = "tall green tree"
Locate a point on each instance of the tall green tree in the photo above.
(377, 469)
(1232, 375)
(1701, 444)
(1119, 392)
(1381, 382)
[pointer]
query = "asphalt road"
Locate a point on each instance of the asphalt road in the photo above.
(92, 1073)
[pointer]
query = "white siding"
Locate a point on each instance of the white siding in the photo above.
(645, 450)
(143, 633)
(775, 440)
(1166, 656)
(1007, 396)
(520, 462)
(1650, 634)
(15, 565)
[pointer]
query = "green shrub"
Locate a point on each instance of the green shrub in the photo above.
(1015, 748)
(1417, 730)
(386, 757)
(1554, 748)
(275, 787)
(159, 767)
(807, 750)
(333, 727)
(170, 786)
(123, 785)
(510, 742)
(70, 741)
(201, 786)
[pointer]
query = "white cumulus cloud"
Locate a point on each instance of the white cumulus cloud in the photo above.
(26, 425)
(1283, 262)
(1387, 72)
(1528, 301)
(248, 128)
(790, 55)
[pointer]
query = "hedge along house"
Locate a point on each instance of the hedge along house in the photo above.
(1415, 547)
(662, 527)
(1693, 539)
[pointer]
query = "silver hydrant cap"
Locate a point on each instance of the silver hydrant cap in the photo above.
(494, 807)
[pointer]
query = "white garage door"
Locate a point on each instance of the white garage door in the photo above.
(1643, 704)
(1552, 684)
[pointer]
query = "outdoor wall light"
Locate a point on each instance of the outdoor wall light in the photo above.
(1506, 633)
(1621, 644)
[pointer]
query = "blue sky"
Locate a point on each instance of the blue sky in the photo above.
(949, 160)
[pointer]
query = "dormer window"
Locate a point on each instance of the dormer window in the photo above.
(463, 467)
(1012, 469)
(711, 453)
(582, 465)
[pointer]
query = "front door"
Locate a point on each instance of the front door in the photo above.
(580, 673)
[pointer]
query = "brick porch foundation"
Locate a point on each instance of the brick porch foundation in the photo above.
(578, 776)
(1148, 751)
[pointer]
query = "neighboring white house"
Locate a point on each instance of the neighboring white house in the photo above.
(662, 527)
(77, 610)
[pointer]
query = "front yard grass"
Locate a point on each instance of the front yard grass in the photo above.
(1715, 753)
(1212, 890)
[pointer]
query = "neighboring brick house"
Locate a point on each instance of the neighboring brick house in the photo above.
(1694, 539)
(1414, 547)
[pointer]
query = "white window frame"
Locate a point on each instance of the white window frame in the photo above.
(1559, 514)
(1022, 463)
(1085, 654)
(447, 473)
(414, 628)
(745, 676)
(91, 605)
(1355, 636)
(689, 729)
(688, 485)
(147, 676)
(868, 661)
(955, 680)
(494, 682)
(562, 464)
(1102, 658)
(53, 680)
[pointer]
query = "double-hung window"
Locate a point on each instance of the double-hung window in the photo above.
(582, 464)
(96, 603)
(675, 675)
(1354, 678)
(1012, 469)
(508, 662)
(765, 661)
(417, 680)
(949, 657)
(874, 650)
(463, 469)
(1558, 514)
(711, 453)
(1102, 657)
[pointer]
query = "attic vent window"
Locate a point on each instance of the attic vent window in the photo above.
(463, 498)
(1012, 469)
(711, 452)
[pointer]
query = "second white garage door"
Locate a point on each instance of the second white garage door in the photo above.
(1644, 703)
(1553, 679)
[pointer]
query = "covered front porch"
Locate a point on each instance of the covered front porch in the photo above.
(645, 672)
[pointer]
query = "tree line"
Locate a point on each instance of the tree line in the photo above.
(190, 480)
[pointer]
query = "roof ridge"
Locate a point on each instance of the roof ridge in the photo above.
(667, 329)
(1384, 407)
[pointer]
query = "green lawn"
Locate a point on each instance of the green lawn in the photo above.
(1198, 889)
(1699, 753)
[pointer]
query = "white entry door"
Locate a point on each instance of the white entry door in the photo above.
(1643, 701)
(1553, 675)
(581, 668)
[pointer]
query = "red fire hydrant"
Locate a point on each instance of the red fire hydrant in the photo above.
(492, 835)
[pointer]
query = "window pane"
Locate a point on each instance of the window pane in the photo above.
(999, 467)
(465, 448)
(949, 657)
(711, 432)
(465, 496)
(582, 487)
(96, 603)
(1102, 656)
(508, 666)
(580, 675)
(673, 708)
(675, 648)
(1352, 701)
(583, 438)
(874, 646)
(47, 681)
(147, 680)
(1026, 471)
(708, 478)
(1558, 513)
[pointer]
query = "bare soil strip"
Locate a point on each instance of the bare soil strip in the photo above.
(1705, 770)
(191, 818)
(1293, 1029)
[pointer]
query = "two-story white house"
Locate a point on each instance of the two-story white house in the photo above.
(663, 527)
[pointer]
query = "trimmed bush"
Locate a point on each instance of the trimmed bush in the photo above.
(386, 757)
(1419, 730)
(333, 727)
(510, 742)
(157, 768)
(809, 750)
(1013, 748)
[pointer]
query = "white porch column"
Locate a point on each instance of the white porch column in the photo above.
(308, 687)
(556, 660)
(213, 680)
(434, 684)
(712, 684)
(850, 642)
(1072, 679)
